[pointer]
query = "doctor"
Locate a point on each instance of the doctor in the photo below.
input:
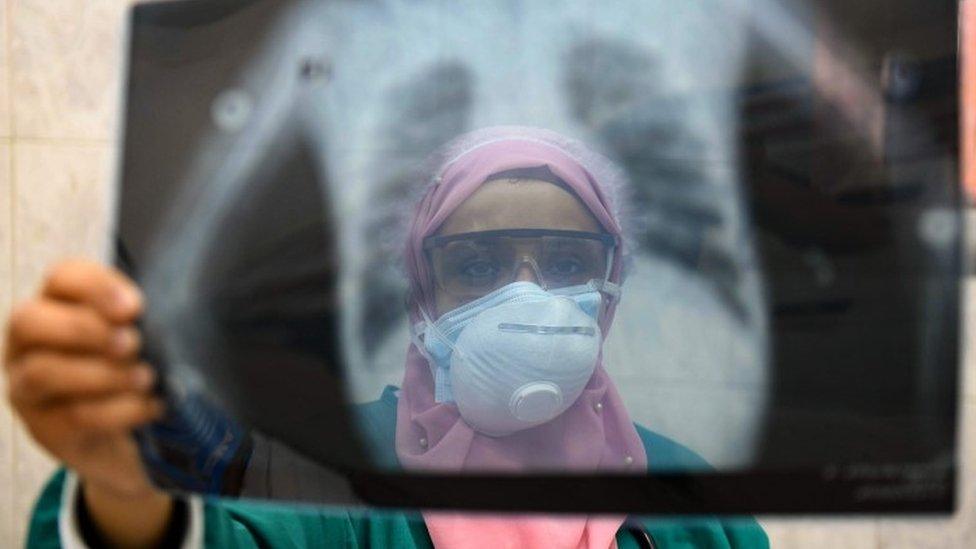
(515, 255)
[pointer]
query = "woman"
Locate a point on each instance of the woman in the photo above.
(514, 257)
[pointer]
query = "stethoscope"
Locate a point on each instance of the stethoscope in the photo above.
(643, 537)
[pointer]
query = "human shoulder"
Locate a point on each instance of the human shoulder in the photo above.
(376, 425)
(667, 455)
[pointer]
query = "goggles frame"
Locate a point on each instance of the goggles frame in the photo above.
(608, 240)
(432, 242)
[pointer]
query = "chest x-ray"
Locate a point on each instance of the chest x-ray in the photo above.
(654, 256)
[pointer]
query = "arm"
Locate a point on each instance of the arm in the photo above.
(218, 523)
(76, 383)
(129, 521)
(75, 380)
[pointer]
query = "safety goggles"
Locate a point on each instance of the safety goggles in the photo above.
(470, 265)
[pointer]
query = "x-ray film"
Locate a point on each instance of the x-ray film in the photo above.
(630, 257)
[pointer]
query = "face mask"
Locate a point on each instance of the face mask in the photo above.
(517, 357)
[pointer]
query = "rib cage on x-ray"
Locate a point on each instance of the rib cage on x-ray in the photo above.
(688, 349)
(247, 112)
(689, 340)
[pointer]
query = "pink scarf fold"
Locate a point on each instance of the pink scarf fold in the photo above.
(594, 434)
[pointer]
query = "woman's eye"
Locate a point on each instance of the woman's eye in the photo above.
(478, 269)
(566, 267)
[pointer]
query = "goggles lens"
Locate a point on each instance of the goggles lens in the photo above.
(471, 265)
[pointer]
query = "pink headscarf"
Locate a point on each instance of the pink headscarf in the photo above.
(594, 434)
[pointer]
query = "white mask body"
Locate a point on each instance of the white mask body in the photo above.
(517, 357)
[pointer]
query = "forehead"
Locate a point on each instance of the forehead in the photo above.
(520, 204)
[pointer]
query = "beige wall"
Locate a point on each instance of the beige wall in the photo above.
(59, 64)
(58, 70)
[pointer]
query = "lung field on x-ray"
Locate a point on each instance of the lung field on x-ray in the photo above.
(612, 90)
(615, 91)
(427, 111)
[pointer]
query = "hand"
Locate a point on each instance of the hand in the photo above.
(74, 378)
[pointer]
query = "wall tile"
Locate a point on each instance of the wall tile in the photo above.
(817, 534)
(969, 338)
(31, 469)
(60, 206)
(60, 210)
(65, 67)
(7, 515)
(4, 73)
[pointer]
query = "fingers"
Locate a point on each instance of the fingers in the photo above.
(71, 367)
(105, 289)
(60, 427)
(53, 325)
(113, 414)
(45, 378)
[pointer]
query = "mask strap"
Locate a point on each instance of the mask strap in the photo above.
(416, 337)
(417, 329)
(610, 255)
(442, 382)
(610, 288)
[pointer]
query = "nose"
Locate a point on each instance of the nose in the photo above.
(527, 271)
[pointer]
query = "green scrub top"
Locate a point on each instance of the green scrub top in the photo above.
(234, 523)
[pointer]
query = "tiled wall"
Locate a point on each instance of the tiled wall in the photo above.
(59, 70)
(59, 63)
